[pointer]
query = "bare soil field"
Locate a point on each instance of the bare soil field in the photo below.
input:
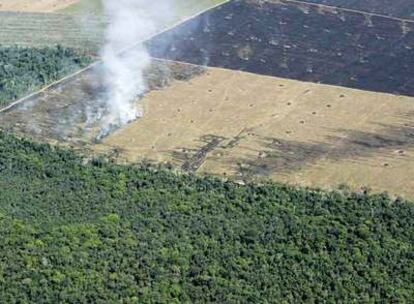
(247, 127)
(35, 5)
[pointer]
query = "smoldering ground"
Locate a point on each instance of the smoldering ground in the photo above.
(125, 57)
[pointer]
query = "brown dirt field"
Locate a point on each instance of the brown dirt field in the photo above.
(248, 127)
(34, 5)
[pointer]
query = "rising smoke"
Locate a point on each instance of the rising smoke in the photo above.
(125, 56)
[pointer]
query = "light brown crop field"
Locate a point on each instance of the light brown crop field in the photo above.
(80, 25)
(251, 127)
(68, 111)
(35, 5)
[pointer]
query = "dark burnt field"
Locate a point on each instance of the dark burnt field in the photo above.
(395, 8)
(298, 41)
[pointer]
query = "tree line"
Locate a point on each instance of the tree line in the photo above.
(24, 70)
(77, 231)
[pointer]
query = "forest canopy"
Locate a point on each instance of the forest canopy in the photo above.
(76, 231)
(24, 70)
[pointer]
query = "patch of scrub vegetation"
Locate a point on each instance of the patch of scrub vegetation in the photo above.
(24, 70)
(77, 231)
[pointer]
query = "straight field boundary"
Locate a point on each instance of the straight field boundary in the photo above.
(96, 63)
(349, 10)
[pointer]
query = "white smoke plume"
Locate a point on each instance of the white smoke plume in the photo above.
(125, 57)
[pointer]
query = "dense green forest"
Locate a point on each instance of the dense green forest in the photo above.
(23, 70)
(77, 231)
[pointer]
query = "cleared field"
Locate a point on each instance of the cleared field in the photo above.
(395, 8)
(35, 5)
(298, 41)
(245, 126)
(46, 29)
(84, 6)
(181, 7)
